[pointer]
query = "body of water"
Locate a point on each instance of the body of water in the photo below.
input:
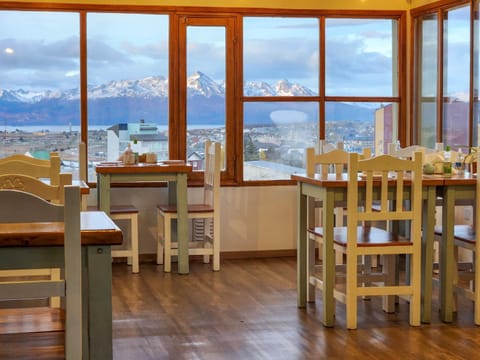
(63, 128)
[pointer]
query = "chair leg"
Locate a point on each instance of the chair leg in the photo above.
(160, 237)
(206, 233)
(167, 245)
(311, 245)
(216, 244)
(388, 301)
(55, 300)
(351, 292)
(134, 244)
(415, 300)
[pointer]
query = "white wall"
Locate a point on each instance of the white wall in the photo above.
(252, 218)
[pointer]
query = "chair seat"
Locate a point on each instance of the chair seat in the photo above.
(366, 236)
(192, 208)
(130, 213)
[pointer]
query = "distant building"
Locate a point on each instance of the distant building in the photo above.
(143, 137)
(385, 132)
(196, 159)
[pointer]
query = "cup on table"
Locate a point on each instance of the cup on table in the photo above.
(151, 158)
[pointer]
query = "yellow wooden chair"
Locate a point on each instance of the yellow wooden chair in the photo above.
(208, 211)
(360, 238)
(38, 168)
(12, 172)
(32, 208)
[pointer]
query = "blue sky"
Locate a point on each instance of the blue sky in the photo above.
(44, 51)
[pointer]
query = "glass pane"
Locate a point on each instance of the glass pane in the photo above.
(361, 125)
(428, 60)
(206, 70)
(456, 77)
(275, 135)
(128, 85)
(39, 94)
(361, 57)
(271, 68)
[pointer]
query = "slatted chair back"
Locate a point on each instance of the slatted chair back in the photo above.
(49, 192)
(27, 165)
(211, 182)
(336, 160)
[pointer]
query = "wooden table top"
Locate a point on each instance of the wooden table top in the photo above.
(172, 166)
(332, 181)
(96, 229)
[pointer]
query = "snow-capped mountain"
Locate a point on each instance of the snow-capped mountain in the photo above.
(125, 101)
(198, 84)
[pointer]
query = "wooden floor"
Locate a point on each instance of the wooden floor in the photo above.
(246, 311)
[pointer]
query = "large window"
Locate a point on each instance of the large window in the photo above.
(443, 72)
(361, 65)
(127, 71)
(265, 86)
(280, 60)
(288, 106)
(39, 86)
(456, 76)
(359, 57)
(427, 80)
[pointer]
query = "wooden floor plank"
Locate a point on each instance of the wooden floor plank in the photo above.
(246, 311)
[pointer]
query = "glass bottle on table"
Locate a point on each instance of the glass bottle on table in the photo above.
(460, 163)
(447, 161)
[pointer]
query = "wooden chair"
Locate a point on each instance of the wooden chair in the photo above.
(52, 193)
(127, 212)
(361, 238)
(333, 160)
(32, 208)
(38, 168)
(208, 211)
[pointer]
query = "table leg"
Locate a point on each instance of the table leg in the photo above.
(301, 247)
(447, 261)
(328, 259)
(97, 303)
(427, 253)
(182, 224)
(103, 192)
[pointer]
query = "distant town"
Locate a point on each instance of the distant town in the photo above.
(283, 144)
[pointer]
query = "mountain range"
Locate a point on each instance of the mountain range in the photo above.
(124, 101)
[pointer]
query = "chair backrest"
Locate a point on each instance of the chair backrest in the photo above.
(323, 146)
(211, 181)
(30, 184)
(27, 165)
(382, 177)
(336, 158)
(406, 152)
(30, 208)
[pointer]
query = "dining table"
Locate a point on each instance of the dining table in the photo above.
(331, 190)
(174, 172)
(40, 245)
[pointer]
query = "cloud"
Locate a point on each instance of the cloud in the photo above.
(39, 64)
(290, 58)
(353, 71)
